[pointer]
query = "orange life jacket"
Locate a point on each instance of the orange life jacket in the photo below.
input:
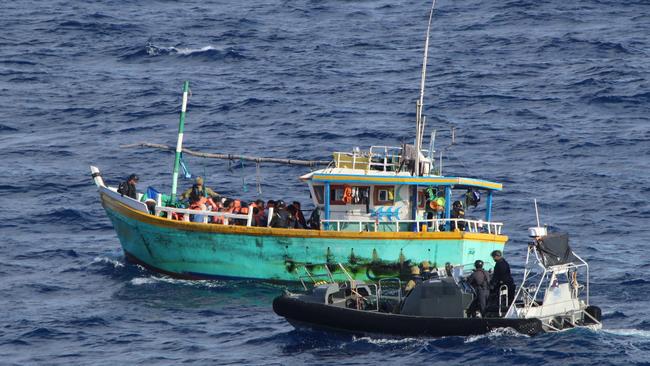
(347, 195)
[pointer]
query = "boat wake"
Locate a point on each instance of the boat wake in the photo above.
(495, 333)
(152, 280)
(114, 262)
(385, 341)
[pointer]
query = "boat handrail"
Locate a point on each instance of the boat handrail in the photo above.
(473, 226)
(205, 214)
(389, 157)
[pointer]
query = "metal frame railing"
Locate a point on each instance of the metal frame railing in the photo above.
(205, 214)
(389, 156)
(433, 225)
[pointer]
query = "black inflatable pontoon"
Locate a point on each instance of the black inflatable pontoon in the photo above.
(435, 308)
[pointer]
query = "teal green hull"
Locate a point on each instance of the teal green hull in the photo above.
(196, 254)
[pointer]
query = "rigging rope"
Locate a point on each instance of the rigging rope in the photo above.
(309, 163)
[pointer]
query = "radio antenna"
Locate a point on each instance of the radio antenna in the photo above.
(419, 125)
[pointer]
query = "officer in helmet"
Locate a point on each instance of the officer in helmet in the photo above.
(280, 215)
(501, 275)
(480, 282)
(415, 280)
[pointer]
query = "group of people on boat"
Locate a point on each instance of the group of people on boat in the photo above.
(487, 285)
(202, 198)
(288, 216)
(435, 206)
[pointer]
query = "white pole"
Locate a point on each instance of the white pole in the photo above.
(179, 142)
(418, 119)
(536, 213)
(249, 219)
(268, 219)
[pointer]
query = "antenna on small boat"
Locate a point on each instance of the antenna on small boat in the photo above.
(538, 231)
(419, 123)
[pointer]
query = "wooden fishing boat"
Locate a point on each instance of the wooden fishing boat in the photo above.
(381, 236)
(374, 219)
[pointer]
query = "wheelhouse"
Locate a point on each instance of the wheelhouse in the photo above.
(371, 191)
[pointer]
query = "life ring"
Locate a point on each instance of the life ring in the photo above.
(347, 195)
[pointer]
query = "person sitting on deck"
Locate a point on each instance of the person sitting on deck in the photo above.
(426, 270)
(449, 270)
(240, 208)
(458, 212)
(259, 217)
(414, 281)
(301, 223)
(218, 207)
(198, 195)
(280, 215)
(314, 220)
(294, 217)
(480, 282)
(127, 188)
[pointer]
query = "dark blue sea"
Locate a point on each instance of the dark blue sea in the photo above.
(551, 98)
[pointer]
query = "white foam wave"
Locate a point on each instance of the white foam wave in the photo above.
(189, 51)
(142, 281)
(114, 262)
(383, 341)
(495, 333)
(153, 280)
(628, 332)
(155, 50)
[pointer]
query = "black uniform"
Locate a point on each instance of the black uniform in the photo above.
(281, 218)
(458, 213)
(501, 276)
(127, 189)
(480, 281)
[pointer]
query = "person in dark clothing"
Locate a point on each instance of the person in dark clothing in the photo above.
(127, 188)
(480, 282)
(314, 220)
(281, 216)
(501, 276)
(415, 280)
(457, 212)
(427, 272)
(259, 217)
(293, 217)
(449, 269)
(300, 218)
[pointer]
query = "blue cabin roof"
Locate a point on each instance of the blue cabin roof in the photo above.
(457, 182)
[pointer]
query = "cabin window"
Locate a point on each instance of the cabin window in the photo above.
(319, 191)
(359, 195)
(384, 195)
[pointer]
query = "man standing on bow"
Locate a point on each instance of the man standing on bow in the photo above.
(127, 188)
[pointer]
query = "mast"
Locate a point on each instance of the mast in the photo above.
(179, 143)
(419, 126)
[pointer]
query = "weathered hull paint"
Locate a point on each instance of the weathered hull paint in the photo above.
(208, 251)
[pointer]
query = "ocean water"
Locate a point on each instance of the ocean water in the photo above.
(551, 98)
